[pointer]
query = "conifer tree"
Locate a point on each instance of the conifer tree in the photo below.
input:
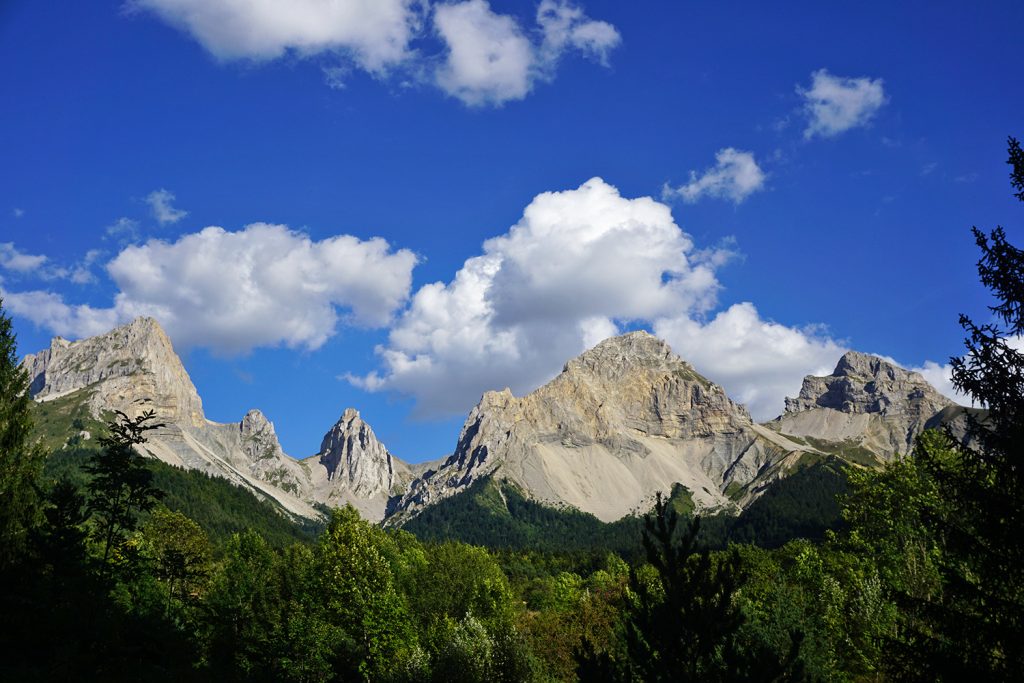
(978, 629)
(20, 459)
(685, 625)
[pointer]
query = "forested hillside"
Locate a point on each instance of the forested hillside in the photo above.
(218, 506)
(497, 515)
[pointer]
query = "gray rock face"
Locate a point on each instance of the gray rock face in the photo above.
(354, 467)
(622, 421)
(868, 384)
(351, 453)
(132, 368)
(865, 403)
(264, 458)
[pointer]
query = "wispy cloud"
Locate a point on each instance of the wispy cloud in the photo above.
(735, 176)
(81, 273)
(17, 213)
(160, 202)
(834, 104)
(12, 259)
(124, 229)
(40, 267)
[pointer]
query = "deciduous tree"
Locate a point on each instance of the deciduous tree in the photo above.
(121, 484)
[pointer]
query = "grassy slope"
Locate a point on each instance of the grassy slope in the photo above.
(58, 422)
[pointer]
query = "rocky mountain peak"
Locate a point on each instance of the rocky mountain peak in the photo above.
(349, 416)
(618, 356)
(259, 440)
(353, 456)
(131, 368)
(493, 399)
(629, 400)
(255, 422)
(255, 425)
(632, 382)
(857, 364)
(867, 404)
(862, 383)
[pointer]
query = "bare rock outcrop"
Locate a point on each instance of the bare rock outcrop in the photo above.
(622, 421)
(354, 467)
(132, 368)
(866, 403)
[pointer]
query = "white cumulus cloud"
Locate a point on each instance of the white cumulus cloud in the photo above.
(835, 104)
(761, 362)
(48, 310)
(577, 265)
(735, 176)
(161, 203)
(491, 60)
(488, 58)
(580, 266)
(373, 33)
(265, 285)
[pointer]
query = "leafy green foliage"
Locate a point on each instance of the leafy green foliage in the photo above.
(359, 595)
(121, 485)
(220, 507)
(61, 542)
(803, 505)
(684, 622)
(244, 602)
(920, 578)
(497, 515)
(978, 625)
(180, 551)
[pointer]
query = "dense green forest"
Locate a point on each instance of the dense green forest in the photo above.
(220, 507)
(114, 567)
(497, 515)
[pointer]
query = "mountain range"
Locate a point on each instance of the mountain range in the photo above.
(623, 421)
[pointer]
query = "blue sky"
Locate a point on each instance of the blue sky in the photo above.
(418, 202)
